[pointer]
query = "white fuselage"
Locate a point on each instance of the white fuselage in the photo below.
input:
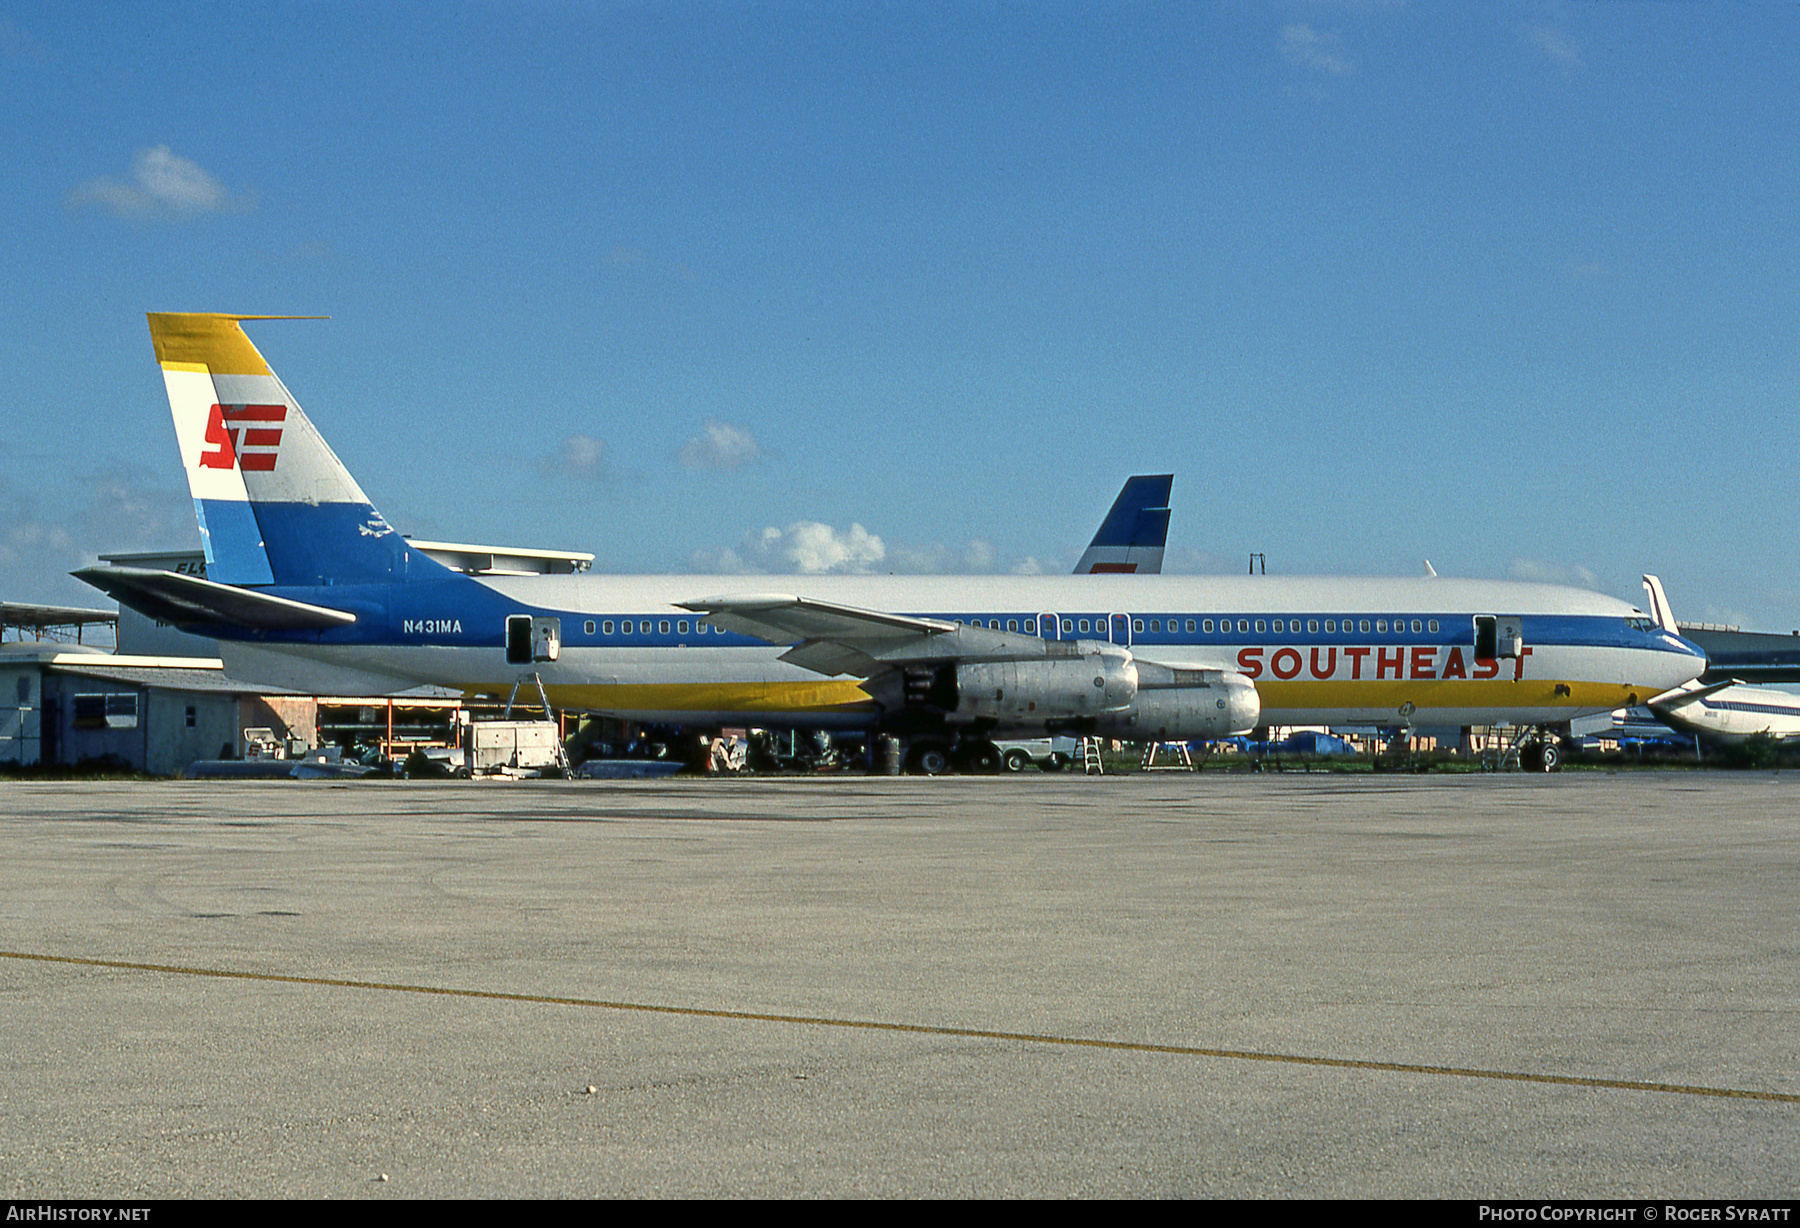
(1396, 652)
(1733, 714)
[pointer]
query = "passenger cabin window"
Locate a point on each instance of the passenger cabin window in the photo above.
(588, 626)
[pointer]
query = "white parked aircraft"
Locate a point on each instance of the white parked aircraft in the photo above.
(309, 587)
(1729, 711)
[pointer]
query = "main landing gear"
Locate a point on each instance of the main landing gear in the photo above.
(1537, 748)
(935, 757)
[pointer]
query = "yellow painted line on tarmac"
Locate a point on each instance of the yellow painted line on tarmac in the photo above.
(924, 1029)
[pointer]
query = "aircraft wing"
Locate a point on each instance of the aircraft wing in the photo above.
(833, 639)
(1685, 695)
(189, 601)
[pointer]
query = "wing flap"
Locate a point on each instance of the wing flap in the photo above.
(834, 639)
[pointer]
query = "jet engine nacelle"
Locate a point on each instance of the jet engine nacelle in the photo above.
(1177, 705)
(1046, 693)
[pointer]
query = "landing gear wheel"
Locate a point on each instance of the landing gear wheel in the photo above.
(978, 758)
(1550, 757)
(1057, 762)
(1531, 758)
(928, 759)
(1015, 760)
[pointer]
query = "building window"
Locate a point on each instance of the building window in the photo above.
(193, 718)
(106, 711)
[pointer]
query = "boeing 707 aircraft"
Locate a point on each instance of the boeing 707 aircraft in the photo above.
(308, 586)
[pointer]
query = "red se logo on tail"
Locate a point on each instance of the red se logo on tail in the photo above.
(255, 453)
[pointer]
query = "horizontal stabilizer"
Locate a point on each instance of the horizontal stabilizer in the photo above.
(189, 601)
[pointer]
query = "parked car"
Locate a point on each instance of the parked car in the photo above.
(1049, 754)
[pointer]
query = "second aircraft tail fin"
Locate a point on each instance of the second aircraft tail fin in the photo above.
(1132, 536)
(1660, 613)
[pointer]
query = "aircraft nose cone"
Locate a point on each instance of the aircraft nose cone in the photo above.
(1681, 663)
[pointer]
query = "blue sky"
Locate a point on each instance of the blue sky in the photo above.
(913, 287)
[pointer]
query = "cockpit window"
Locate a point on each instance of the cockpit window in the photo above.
(1640, 624)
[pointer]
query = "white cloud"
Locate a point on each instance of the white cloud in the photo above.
(1536, 572)
(805, 547)
(582, 458)
(1308, 48)
(978, 557)
(163, 185)
(720, 446)
(811, 548)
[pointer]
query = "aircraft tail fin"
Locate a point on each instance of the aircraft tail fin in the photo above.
(274, 503)
(1132, 537)
(1660, 613)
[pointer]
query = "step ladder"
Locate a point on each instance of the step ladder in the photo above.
(1090, 757)
(1182, 761)
(562, 754)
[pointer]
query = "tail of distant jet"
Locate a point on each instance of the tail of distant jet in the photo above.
(1132, 536)
(275, 504)
(1660, 613)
